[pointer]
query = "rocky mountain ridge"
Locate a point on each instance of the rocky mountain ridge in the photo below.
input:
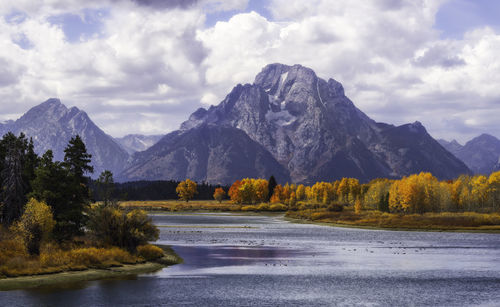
(313, 130)
(133, 143)
(51, 125)
(481, 154)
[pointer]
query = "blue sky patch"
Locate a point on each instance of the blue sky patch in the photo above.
(81, 26)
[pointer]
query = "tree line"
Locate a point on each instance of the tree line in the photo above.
(43, 200)
(151, 190)
(418, 193)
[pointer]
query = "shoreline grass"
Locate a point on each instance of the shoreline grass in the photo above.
(36, 281)
(105, 270)
(437, 222)
(367, 219)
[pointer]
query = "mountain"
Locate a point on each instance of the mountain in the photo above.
(133, 143)
(208, 153)
(51, 125)
(481, 154)
(311, 128)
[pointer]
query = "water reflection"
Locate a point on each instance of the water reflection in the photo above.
(264, 260)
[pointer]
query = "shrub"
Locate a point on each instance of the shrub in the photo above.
(334, 207)
(150, 252)
(263, 207)
(306, 206)
(112, 226)
(10, 248)
(35, 225)
(249, 208)
(358, 206)
(278, 207)
(323, 215)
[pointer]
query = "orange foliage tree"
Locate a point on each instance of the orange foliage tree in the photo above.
(219, 194)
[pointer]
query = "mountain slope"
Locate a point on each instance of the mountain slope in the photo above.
(51, 125)
(481, 154)
(133, 143)
(316, 132)
(208, 153)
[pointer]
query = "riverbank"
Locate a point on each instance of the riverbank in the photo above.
(73, 276)
(447, 221)
(368, 219)
(182, 206)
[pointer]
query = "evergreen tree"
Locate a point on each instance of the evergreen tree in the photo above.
(106, 187)
(51, 186)
(77, 164)
(271, 185)
(31, 163)
(14, 186)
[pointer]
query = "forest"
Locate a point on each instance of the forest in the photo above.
(48, 222)
(418, 193)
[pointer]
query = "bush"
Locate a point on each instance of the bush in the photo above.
(278, 207)
(10, 248)
(35, 225)
(323, 215)
(249, 208)
(263, 207)
(150, 252)
(92, 257)
(112, 226)
(307, 206)
(335, 207)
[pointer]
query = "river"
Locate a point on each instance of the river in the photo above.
(255, 260)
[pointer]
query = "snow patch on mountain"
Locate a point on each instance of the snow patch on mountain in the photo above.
(281, 118)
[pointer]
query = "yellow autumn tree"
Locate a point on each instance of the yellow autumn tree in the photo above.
(358, 206)
(35, 225)
(186, 190)
(277, 196)
(479, 191)
(494, 190)
(261, 187)
(300, 193)
(377, 189)
(348, 190)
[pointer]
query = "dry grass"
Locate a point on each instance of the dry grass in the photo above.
(197, 205)
(15, 261)
(427, 221)
(53, 259)
(150, 252)
(177, 205)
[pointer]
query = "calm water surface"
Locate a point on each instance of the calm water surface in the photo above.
(234, 260)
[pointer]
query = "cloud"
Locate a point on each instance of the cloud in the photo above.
(167, 4)
(152, 63)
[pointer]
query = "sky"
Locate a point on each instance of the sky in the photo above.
(143, 66)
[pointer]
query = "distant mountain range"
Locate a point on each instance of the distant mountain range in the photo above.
(51, 125)
(481, 154)
(289, 123)
(133, 143)
(294, 125)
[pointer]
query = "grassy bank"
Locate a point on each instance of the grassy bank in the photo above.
(177, 205)
(446, 221)
(201, 205)
(26, 282)
(55, 266)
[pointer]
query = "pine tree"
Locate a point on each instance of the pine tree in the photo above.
(51, 186)
(77, 161)
(13, 183)
(271, 185)
(31, 163)
(106, 187)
